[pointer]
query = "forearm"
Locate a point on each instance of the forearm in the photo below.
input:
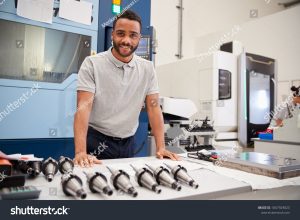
(157, 126)
(80, 132)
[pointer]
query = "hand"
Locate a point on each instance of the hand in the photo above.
(279, 122)
(296, 100)
(84, 160)
(160, 154)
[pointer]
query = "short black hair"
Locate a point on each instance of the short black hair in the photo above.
(130, 15)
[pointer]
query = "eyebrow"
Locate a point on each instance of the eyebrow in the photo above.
(132, 32)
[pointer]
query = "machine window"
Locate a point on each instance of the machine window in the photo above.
(224, 84)
(40, 54)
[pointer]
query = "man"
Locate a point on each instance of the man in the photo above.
(112, 88)
(286, 111)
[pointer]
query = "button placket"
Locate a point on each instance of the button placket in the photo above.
(126, 73)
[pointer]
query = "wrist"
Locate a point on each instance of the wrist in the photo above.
(79, 152)
(160, 148)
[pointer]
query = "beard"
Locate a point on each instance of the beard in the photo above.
(124, 50)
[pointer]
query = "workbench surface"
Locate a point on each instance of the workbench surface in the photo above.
(211, 185)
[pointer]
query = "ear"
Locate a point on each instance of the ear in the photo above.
(111, 36)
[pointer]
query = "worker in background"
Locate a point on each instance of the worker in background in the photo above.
(112, 88)
(287, 110)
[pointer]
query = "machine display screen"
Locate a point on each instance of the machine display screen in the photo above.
(143, 49)
(40, 54)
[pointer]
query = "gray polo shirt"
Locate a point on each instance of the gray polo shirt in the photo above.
(119, 91)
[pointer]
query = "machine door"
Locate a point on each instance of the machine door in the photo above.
(260, 93)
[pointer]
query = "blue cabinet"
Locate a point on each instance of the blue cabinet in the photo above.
(40, 120)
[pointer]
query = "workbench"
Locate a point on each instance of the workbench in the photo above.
(212, 183)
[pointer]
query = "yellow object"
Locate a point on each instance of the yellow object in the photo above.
(116, 2)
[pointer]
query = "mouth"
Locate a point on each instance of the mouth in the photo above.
(124, 50)
(125, 47)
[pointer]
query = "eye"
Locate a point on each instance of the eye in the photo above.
(120, 34)
(134, 35)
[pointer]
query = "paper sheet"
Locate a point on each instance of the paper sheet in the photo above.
(38, 10)
(27, 157)
(256, 181)
(80, 12)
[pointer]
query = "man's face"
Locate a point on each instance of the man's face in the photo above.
(126, 37)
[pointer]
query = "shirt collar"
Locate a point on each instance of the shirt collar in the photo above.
(119, 63)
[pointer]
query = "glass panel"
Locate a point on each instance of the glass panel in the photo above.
(224, 84)
(259, 100)
(40, 54)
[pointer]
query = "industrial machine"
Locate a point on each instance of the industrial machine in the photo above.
(183, 131)
(214, 81)
(212, 86)
(39, 63)
(257, 95)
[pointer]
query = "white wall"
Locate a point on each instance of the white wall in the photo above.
(276, 36)
(200, 17)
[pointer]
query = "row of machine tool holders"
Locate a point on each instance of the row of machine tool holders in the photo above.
(147, 176)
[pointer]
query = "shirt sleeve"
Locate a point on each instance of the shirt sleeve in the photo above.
(153, 83)
(86, 78)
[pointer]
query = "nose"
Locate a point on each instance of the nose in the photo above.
(126, 40)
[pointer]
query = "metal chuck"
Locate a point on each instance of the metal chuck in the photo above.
(72, 186)
(163, 177)
(98, 183)
(180, 174)
(65, 165)
(121, 180)
(36, 168)
(49, 168)
(145, 178)
(32, 168)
